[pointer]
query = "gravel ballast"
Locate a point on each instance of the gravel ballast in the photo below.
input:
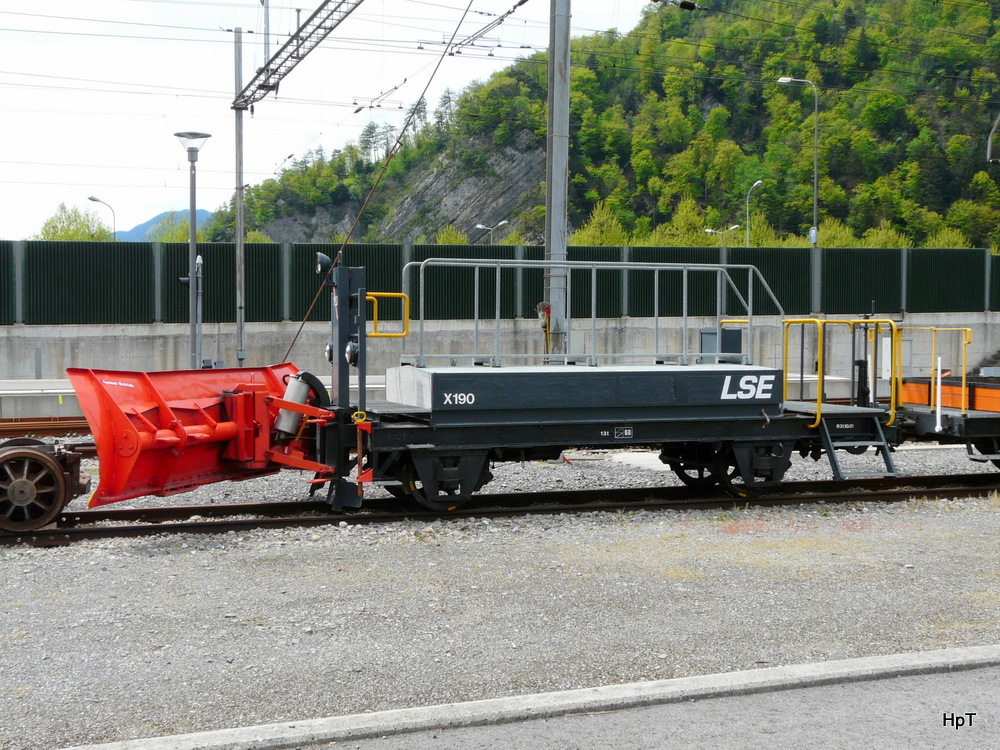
(131, 638)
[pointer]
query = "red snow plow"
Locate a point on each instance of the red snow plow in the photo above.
(160, 433)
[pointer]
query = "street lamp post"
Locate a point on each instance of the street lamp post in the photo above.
(719, 285)
(192, 142)
(490, 229)
(815, 227)
(752, 187)
(114, 222)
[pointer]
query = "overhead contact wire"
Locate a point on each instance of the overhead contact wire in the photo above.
(385, 165)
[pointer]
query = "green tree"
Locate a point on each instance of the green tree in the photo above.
(984, 190)
(502, 108)
(386, 138)
(886, 236)
(604, 228)
(715, 123)
(174, 227)
(685, 228)
(255, 235)
(835, 233)
(368, 141)
(974, 220)
(451, 236)
(418, 111)
(72, 224)
(644, 166)
(885, 114)
(515, 237)
(443, 115)
(947, 237)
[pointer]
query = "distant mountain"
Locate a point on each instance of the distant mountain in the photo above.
(138, 233)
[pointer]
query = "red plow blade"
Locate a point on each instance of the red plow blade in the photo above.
(160, 433)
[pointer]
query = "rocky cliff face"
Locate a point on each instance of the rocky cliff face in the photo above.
(485, 185)
(450, 193)
(322, 226)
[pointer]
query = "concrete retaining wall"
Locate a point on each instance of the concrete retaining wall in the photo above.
(33, 352)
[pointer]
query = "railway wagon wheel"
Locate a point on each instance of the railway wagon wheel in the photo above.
(763, 467)
(412, 491)
(696, 466)
(20, 442)
(695, 476)
(32, 488)
(441, 482)
(731, 479)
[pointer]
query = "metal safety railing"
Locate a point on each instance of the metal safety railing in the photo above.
(589, 354)
(934, 395)
(875, 327)
(374, 297)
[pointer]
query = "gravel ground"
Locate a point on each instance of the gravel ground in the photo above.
(133, 638)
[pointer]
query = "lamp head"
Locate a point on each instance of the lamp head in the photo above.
(785, 79)
(757, 184)
(94, 198)
(191, 139)
(323, 264)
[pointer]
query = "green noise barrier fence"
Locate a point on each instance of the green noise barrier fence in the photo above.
(128, 283)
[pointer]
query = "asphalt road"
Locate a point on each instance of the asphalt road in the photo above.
(952, 710)
(938, 699)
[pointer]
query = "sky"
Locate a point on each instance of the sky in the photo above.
(94, 91)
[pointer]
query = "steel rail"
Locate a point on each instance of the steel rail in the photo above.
(41, 426)
(83, 525)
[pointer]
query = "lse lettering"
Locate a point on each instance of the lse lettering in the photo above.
(749, 386)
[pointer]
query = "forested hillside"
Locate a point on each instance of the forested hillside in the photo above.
(674, 122)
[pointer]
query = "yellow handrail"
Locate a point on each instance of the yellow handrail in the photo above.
(895, 358)
(820, 327)
(374, 297)
(935, 373)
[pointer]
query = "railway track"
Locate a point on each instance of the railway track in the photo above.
(106, 523)
(43, 427)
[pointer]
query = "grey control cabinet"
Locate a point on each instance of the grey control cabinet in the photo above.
(732, 342)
